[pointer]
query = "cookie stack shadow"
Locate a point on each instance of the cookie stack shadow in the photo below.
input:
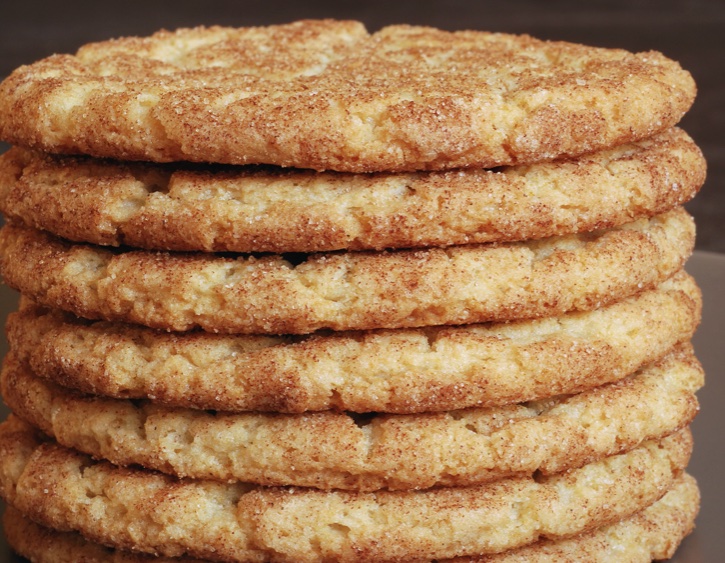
(301, 293)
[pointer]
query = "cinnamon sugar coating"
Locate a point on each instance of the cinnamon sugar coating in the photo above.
(271, 210)
(347, 291)
(398, 371)
(148, 512)
(327, 95)
(652, 534)
(335, 450)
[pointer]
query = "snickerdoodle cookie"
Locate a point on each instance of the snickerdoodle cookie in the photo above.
(331, 449)
(269, 210)
(329, 95)
(283, 294)
(150, 512)
(399, 371)
(651, 534)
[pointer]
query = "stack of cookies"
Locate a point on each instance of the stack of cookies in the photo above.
(309, 294)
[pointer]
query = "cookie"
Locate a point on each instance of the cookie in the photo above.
(346, 291)
(149, 512)
(653, 533)
(241, 209)
(331, 449)
(328, 95)
(399, 371)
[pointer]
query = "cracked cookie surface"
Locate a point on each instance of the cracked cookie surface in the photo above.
(271, 210)
(149, 512)
(334, 450)
(280, 294)
(329, 95)
(652, 534)
(400, 371)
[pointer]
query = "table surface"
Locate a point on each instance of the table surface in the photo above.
(707, 543)
(690, 31)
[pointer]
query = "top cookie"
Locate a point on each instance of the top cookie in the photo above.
(327, 95)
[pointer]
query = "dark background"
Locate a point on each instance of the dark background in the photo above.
(692, 32)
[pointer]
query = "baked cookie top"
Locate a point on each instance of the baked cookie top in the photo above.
(328, 95)
(651, 534)
(337, 450)
(282, 294)
(272, 210)
(397, 371)
(132, 508)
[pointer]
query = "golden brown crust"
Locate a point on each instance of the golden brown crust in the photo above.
(654, 533)
(333, 450)
(45, 545)
(327, 95)
(347, 291)
(402, 371)
(243, 210)
(148, 512)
